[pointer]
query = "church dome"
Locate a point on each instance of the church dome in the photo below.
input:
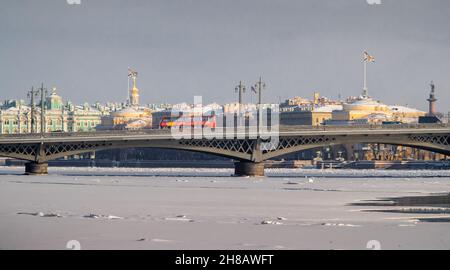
(365, 104)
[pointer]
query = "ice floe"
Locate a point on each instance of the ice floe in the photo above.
(182, 218)
(96, 216)
(271, 222)
(340, 225)
(291, 183)
(40, 214)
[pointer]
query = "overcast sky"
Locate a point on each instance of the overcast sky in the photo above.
(183, 48)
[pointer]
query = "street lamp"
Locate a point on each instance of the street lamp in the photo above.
(31, 94)
(43, 92)
(240, 89)
(257, 88)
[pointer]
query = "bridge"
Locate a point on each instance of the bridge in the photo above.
(248, 149)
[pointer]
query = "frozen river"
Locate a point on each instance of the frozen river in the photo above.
(208, 209)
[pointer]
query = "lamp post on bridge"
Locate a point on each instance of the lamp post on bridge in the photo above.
(240, 89)
(258, 88)
(43, 92)
(31, 94)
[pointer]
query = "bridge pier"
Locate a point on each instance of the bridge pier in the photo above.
(34, 168)
(248, 168)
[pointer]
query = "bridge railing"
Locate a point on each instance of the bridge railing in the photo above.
(366, 126)
(281, 128)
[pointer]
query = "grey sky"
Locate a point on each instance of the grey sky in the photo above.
(183, 48)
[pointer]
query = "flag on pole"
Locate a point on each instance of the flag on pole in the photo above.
(132, 73)
(368, 58)
(254, 89)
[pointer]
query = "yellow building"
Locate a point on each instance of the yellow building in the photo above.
(131, 117)
(375, 112)
(315, 116)
(361, 108)
(406, 114)
(128, 115)
(296, 101)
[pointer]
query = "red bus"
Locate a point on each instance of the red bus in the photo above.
(168, 122)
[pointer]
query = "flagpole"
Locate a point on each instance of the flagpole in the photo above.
(365, 92)
(128, 85)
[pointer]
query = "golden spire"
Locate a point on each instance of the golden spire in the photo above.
(134, 80)
(134, 94)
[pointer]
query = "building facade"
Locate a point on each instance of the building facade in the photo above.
(367, 110)
(17, 117)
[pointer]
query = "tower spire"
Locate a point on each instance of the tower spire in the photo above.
(134, 93)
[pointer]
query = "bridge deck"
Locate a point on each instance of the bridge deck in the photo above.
(282, 131)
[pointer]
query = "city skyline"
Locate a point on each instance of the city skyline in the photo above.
(297, 47)
(242, 127)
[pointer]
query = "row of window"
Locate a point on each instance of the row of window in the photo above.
(49, 129)
(9, 122)
(15, 130)
(87, 124)
(52, 122)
